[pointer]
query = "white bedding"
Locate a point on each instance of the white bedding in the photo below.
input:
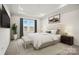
(40, 38)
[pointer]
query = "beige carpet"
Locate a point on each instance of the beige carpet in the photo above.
(16, 48)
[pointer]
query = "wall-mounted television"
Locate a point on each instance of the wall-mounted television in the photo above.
(4, 18)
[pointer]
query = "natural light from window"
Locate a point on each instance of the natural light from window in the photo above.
(28, 25)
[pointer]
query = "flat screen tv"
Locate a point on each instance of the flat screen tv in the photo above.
(4, 18)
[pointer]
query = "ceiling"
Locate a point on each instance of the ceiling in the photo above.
(32, 10)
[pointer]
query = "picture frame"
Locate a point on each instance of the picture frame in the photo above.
(54, 19)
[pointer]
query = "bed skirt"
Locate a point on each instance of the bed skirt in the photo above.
(47, 44)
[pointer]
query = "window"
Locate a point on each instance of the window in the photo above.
(28, 25)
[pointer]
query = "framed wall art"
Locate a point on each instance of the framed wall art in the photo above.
(54, 19)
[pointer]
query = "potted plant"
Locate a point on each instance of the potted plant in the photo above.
(14, 31)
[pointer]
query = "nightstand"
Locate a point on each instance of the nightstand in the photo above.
(67, 39)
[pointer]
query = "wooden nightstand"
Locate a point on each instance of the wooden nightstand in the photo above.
(67, 39)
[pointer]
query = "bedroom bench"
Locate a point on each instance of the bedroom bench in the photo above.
(26, 43)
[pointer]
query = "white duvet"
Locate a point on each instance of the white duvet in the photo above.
(40, 38)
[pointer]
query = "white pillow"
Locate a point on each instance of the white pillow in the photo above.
(53, 31)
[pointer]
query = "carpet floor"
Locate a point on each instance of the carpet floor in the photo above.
(16, 48)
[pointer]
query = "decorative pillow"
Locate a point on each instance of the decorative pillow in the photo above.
(48, 31)
(53, 31)
(58, 31)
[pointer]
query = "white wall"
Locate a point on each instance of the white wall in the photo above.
(69, 19)
(38, 25)
(4, 40)
(44, 24)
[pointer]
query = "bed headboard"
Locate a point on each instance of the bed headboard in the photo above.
(55, 26)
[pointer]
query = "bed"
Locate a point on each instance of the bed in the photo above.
(41, 40)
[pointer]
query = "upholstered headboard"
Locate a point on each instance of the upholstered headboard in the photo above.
(55, 26)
